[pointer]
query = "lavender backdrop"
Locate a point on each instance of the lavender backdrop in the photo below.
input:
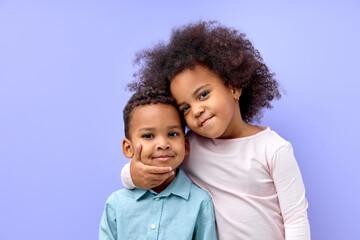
(63, 70)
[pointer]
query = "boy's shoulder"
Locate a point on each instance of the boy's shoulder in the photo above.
(199, 193)
(120, 196)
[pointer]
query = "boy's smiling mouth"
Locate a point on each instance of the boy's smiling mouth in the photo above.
(163, 157)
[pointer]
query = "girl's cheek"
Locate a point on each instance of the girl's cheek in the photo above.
(188, 122)
(190, 126)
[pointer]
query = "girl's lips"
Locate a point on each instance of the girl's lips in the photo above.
(206, 121)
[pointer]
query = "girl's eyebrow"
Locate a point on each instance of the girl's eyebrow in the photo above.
(195, 92)
(199, 89)
(175, 127)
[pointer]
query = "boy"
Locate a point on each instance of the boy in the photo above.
(176, 209)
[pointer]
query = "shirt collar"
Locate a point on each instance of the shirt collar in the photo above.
(180, 186)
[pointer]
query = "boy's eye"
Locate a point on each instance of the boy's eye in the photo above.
(203, 94)
(173, 134)
(147, 136)
(184, 109)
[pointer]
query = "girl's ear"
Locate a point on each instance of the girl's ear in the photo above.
(127, 147)
(187, 145)
(236, 92)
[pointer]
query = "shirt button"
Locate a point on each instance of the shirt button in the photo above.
(153, 226)
(157, 199)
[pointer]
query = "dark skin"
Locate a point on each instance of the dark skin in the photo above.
(229, 56)
(187, 83)
(225, 51)
(145, 176)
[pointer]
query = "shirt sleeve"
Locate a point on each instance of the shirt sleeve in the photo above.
(291, 193)
(205, 226)
(126, 177)
(108, 227)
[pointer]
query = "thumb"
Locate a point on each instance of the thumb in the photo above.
(137, 154)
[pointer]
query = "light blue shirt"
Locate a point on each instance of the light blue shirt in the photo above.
(181, 211)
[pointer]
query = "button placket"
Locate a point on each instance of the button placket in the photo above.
(154, 218)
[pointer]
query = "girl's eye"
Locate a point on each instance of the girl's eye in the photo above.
(173, 134)
(203, 94)
(184, 109)
(147, 136)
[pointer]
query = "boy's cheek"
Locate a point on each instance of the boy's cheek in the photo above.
(146, 161)
(145, 156)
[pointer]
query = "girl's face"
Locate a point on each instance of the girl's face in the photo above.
(210, 108)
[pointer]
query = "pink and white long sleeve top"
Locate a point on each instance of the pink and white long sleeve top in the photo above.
(255, 183)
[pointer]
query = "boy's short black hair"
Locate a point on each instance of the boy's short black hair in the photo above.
(146, 96)
(224, 50)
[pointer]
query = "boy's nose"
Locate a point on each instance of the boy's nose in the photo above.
(162, 144)
(163, 147)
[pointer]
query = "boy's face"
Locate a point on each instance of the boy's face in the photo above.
(157, 127)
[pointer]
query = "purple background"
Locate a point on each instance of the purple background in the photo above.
(64, 66)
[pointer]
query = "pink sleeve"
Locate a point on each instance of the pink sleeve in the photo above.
(291, 193)
(126, 177)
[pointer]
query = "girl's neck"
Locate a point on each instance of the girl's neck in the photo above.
(238, 128)
(243, 130)
(247, 130)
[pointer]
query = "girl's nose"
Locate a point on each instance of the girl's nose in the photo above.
(197, 111)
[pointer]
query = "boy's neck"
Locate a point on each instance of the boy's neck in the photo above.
(162, 186)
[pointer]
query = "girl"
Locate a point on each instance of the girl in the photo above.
(221, 85)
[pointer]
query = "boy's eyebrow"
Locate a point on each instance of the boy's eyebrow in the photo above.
(146, 129)
(152, 129)
(195, 92)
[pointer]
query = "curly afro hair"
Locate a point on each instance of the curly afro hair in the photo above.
(224, 51)
(147, 96)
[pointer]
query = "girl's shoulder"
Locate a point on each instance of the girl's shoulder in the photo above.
(272, 138)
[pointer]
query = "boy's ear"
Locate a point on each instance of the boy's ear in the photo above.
(236, 92)
(127, 147)
(187, 145)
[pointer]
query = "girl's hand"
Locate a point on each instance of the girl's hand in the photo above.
(146, 176)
